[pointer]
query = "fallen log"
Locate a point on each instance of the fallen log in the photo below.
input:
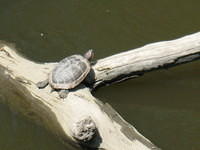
(136, 62)
(81, 119)
(64, 117)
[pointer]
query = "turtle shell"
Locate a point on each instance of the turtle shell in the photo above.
(70, 72)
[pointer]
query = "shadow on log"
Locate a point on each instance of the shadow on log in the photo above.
(80, 119)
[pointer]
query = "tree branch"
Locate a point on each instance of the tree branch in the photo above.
(136, 62)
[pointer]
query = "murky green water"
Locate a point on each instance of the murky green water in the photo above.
(163, 105)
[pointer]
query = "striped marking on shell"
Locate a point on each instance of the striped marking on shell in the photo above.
(69, 72)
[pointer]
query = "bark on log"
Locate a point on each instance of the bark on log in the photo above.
(76, 118)
(136, 62)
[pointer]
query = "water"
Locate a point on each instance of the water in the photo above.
(162, 105)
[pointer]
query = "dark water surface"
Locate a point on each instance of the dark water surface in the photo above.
(163, 105)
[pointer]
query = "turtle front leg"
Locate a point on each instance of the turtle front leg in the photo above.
(63, 93)
(42, 84)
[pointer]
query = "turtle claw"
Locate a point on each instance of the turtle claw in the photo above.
(63, 93)
(42, 84)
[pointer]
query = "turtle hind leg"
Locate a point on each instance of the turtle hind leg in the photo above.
(42, 84)
(63, 93)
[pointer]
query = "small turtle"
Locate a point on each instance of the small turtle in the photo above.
(68, 73)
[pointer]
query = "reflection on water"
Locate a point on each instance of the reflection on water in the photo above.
(163, 105)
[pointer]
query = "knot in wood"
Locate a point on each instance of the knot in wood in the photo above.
(84, 130)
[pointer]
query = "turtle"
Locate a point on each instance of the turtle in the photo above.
(68, 73)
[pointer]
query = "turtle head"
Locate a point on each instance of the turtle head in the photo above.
(89, 55)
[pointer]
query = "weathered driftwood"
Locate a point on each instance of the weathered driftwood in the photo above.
(18, 89)
(81, 119)
(153, 56)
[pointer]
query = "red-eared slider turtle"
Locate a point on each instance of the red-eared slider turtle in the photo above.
(68, 73)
